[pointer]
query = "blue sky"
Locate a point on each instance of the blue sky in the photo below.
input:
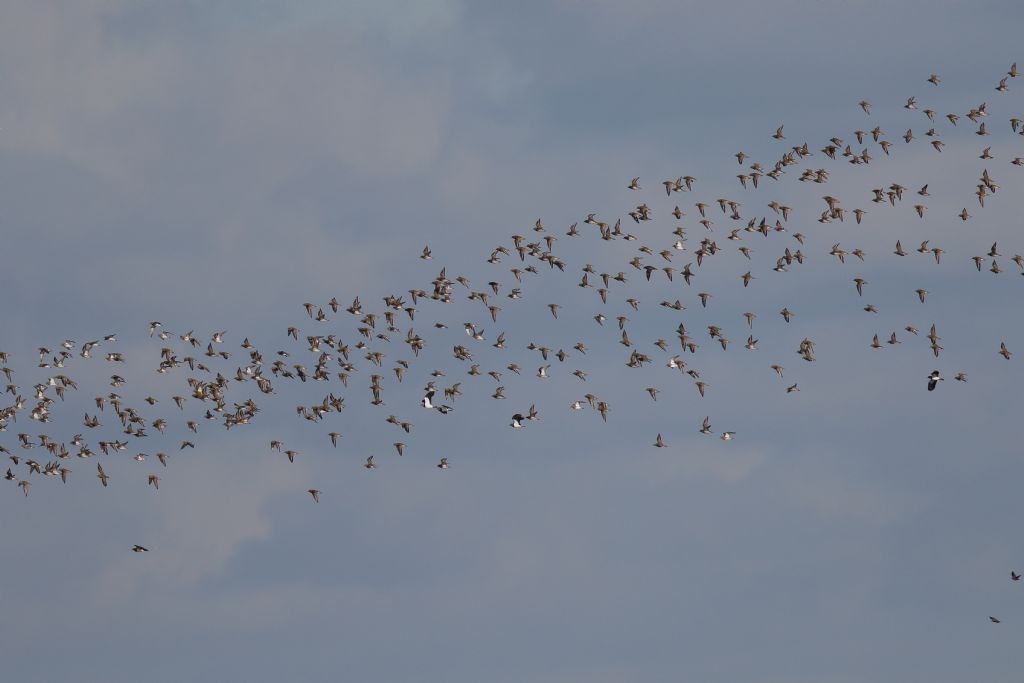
(215, 165)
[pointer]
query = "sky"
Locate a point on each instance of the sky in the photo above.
(214, 165)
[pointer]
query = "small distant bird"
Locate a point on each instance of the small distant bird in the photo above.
(994, 620)
(933, 380)
(706, 427)
(139, 549)
(728, 436)
(316, 494)
(443, 465)
(426, 254)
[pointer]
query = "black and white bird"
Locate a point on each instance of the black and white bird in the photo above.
(517, 421)
(429, 395)
(933, 379)
(139, 549)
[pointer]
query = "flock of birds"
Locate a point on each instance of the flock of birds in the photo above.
(318, 356)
